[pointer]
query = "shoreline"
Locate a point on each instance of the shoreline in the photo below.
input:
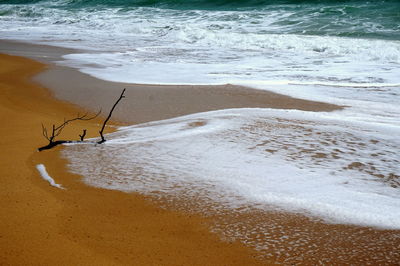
(148, 102)
(100, 211)
(83, 225)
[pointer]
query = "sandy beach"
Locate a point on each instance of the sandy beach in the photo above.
(82, 225)
(251, 132)
(43, 225)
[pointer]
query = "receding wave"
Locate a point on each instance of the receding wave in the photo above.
(298, 161)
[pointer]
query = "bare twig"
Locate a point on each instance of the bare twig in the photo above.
(83, 135)
(44, 132)
(109, 116)
(56, 130)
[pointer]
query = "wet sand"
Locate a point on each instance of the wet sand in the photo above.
(145, 103)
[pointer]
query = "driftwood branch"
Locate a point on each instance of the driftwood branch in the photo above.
(109, 116)
(56, 130)
(83, 135)
(53, 144)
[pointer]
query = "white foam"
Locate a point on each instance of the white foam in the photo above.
(251, 48)
(317, 164)
(42, 170)
(360, 74)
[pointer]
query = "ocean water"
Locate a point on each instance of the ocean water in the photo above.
(342, 167)
(322, 50)
(317, 164)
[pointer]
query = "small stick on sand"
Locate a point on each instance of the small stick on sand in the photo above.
(109, 116)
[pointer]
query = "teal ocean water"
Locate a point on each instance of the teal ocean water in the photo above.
(363, 19)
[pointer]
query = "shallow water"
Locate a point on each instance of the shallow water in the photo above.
(314, 163)
(282, 182)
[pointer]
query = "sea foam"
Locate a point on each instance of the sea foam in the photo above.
(42, 170)
(315, 164)
(351, 60)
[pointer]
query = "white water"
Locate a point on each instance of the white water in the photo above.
(148, 45)
(317, 164)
